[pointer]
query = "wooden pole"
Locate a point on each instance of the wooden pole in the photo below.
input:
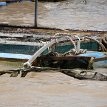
(36, 13)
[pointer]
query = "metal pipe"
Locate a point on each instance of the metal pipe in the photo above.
(42, 49)
(78, 44)
(101, 45)
(71, 41)
(68, 37)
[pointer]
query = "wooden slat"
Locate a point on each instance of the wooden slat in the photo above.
(12, 59)
(62, 57)
(100, 59)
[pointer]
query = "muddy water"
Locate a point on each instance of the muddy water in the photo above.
(50, 89)
(17, 14)
(53, 89)
(70, 14)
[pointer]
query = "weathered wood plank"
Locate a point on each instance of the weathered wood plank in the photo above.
(100, 59)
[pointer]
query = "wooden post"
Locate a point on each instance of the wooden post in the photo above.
(36, 13)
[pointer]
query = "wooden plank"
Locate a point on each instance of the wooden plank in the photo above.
(12, 59)
(62, 57)
(100, 59)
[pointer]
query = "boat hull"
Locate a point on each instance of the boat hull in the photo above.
(100, 59)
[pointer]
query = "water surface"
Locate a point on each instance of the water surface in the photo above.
(69, 14)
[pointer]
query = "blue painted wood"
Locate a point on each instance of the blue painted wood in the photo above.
(94, 54)
(18, 49)
(14, 56)
(3, 3)
(99, 64)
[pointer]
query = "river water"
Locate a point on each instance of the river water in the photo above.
(50, 89)
(54, 89)
(70, 14)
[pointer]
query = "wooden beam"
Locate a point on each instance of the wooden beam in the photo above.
(63, 57)
(36, 13)
(100, 59)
